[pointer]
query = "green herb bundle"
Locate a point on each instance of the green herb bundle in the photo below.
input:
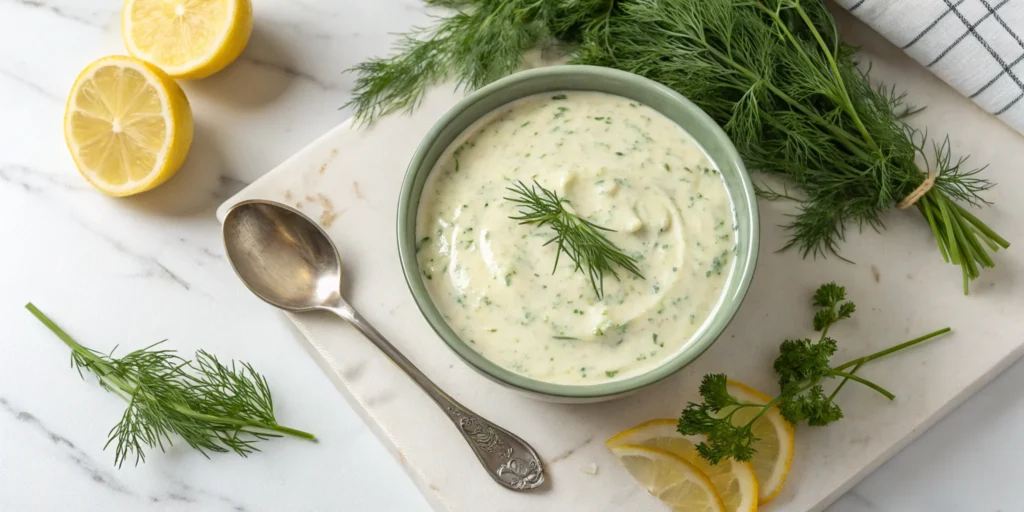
(773, 73)
(214, 407)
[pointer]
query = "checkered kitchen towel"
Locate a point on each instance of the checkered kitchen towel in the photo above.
(977, 46)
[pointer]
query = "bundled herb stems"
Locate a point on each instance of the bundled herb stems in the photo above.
(773, 73)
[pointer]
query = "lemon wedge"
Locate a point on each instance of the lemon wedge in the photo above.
(733, 480)
(775, 444)
(128, 125)
(187, 38)
(670, 478)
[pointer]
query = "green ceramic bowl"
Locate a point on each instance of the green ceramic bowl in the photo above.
(583, 78)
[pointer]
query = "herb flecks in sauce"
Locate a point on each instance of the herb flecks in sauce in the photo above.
(553, 327)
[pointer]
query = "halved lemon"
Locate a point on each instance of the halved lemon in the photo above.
(187, 38)
(670, 478)
(128, 125)
(774, 445)
(734, 480)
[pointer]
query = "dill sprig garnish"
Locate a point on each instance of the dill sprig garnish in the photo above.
(773, 73)
(578, 238)
(214, 407)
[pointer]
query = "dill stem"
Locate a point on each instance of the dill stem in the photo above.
(78, 348)
(972, 239)
(981, 236)
(835, 72)
(774, 15)
(895, 348)
(130, 389)
(125, 389)
(58, 331)
(242, 423)
(981, 226)
(926, 207)
(967, 250)
(954, 250)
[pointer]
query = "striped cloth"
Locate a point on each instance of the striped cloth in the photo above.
(976, 46)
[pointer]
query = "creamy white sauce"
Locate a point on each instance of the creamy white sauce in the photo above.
(623, 166)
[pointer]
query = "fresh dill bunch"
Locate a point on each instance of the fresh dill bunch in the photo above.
(214, 407)
(480, 42)
(773, 73)
(578, 238)
(802, 365)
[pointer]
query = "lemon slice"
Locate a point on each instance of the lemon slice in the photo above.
(670, 478)
(774, 445)
(127, 124)
(187, 38)
(734, 480)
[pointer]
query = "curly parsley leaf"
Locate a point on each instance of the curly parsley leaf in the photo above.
(812, 405)
(829, 298)
(712, 419)
(802, 366)
(803, 360)
(828, 295)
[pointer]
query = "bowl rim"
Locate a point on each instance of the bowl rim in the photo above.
(410, 266)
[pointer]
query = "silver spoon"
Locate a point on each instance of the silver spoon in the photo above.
(288, 261)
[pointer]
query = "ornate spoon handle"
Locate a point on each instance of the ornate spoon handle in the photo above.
(508, 459)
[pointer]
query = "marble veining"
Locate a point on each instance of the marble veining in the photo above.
(127, 272)
(69, 11)
(228, 186)
(82, 460)
(151, 265)
(38, 89)
(104, 476)
(288, 70)
(568, 452)
(36, 181)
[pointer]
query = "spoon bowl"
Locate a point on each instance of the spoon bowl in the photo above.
(282, 257)
(288, 261)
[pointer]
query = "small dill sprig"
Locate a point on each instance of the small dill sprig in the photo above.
(214, 407)
(579, 239)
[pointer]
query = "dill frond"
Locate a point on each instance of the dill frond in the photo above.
(580, 240)
(214, 407)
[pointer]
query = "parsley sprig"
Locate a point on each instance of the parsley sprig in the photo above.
(802, 366)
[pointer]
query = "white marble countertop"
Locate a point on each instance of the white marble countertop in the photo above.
(135, 271)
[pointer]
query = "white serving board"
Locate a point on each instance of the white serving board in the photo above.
(901, 286)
